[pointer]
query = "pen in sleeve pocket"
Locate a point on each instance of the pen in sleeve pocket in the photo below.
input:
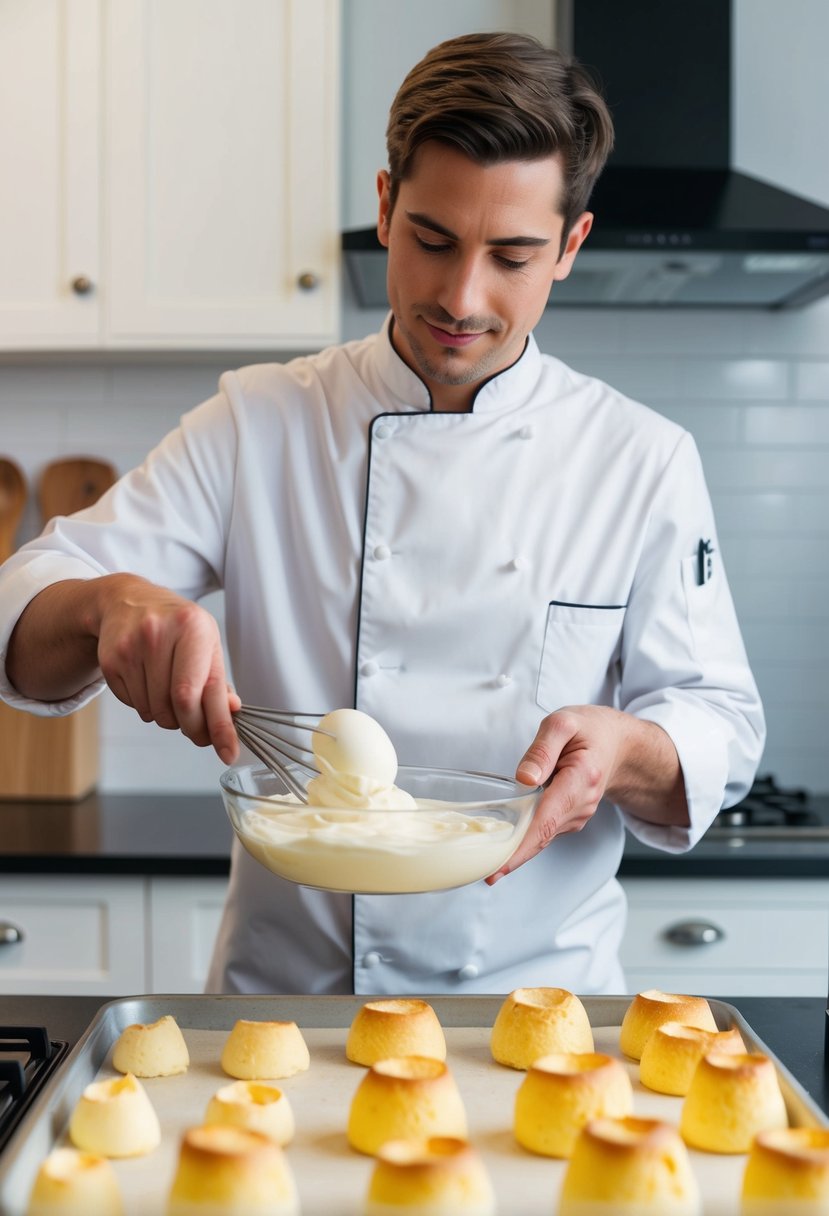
(705, 561)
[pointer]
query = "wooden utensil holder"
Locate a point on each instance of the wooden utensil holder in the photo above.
(48, 759)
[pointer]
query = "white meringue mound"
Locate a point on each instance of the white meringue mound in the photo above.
(357, 763)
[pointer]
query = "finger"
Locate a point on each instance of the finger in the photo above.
(555, 813)
(154, 658)
(218, 702)
(539, 760)
(192, 669)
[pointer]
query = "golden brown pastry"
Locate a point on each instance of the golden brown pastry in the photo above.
(413, 1097)
(256, 1051)
(535, 1022)
(730, 1099)
(653, 1008)
(385, 1029)
(561, 1093)
(629, 1167)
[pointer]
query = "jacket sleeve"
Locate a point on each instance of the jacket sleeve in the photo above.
(165, 521)
(684, 665)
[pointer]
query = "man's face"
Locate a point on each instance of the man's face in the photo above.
(473, 251)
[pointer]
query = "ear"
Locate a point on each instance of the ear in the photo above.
(575, 240)
(384, 213)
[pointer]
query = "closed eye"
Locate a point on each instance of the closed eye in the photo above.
(511, 263)
(432, 246)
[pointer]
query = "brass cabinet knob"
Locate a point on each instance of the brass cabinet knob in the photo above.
(82, 285)
(307, 281)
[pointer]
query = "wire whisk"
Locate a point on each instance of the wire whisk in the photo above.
(260, 731)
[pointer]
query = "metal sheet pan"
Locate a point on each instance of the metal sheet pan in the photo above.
(332, 1180)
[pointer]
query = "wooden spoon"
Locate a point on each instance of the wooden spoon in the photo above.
(70, 484)
(12, 504)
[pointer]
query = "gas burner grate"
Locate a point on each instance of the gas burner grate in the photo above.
(28, 1057)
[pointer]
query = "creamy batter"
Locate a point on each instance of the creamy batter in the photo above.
(362, 833)
(426, 849)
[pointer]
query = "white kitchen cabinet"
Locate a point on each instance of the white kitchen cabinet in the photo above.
(184, 915)
(50, 180)
(171, 174)
(80, 935)
(754, 937)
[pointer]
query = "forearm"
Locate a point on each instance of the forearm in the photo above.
(647, 779)
(53, 649)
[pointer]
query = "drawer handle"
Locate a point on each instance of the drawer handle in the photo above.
(694, 933)
(9, 933)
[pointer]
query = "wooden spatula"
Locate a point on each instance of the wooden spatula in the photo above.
(12, 503)
(73, 483)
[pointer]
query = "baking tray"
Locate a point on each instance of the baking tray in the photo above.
(331, 1178)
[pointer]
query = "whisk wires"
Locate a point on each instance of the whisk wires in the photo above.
(261, 730)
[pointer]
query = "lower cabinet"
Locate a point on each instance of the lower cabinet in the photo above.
(184, 915)
(87, 935)
(727, 936)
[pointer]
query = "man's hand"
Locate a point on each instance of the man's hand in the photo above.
(162, 655)
(584, 753)
(159, 653)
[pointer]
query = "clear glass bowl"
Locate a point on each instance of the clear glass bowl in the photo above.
(464, 828)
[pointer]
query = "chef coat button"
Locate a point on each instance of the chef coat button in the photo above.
(382, 431)
(519, 563)
(369, 668)
(526, 432)
(503, 680)
(382, 553)
(468, 972)
(371, 959)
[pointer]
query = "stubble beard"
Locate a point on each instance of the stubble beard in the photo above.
(443, 372)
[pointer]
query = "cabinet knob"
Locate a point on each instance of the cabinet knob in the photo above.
(307, 281)
(694, 933)
(82, 285)
(9, 933)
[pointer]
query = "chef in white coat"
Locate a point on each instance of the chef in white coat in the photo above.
(505, 562)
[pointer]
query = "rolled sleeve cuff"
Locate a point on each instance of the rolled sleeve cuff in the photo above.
(702, 748)
(17, 589)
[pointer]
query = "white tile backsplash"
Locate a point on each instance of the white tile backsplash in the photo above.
(752, 387)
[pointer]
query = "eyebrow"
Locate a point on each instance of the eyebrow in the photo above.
(423, 221)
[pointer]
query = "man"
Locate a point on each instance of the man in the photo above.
(496, 557)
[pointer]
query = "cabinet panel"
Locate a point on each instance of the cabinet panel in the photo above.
(768, 937)
(80, 935)
(222, 187)
(49, 187)
(184, 919)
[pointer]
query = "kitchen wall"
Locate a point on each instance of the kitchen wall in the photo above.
(753, 388)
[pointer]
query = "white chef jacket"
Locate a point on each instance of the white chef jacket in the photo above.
(457, 576)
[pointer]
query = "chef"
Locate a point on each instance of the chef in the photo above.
(503, 561)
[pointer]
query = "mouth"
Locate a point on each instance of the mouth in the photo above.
(447, 338)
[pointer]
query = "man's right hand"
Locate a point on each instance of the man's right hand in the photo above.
(161, 654)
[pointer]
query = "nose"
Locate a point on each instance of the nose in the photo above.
(462, 288)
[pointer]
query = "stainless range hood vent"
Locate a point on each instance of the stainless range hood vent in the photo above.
(676, 225)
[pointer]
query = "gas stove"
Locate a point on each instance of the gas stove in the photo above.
(769, 812)
(28, 1057)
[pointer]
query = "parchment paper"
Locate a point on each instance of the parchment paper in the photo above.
(332, 1179)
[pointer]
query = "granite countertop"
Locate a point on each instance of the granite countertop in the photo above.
(793, 1028)
(190, 835)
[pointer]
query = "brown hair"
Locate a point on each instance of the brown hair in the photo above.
(499, 97)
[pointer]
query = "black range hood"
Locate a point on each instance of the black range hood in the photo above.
(676, 225)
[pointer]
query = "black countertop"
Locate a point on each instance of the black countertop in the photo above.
(190, 834)
(793, 1028)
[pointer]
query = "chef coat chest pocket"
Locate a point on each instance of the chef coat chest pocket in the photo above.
(582, 644)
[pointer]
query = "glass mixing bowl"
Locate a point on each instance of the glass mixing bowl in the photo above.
(464, 828)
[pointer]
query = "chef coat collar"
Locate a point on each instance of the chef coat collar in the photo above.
(504, 390)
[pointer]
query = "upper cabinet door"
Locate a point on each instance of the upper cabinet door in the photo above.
(49, 181)
(221, 182)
